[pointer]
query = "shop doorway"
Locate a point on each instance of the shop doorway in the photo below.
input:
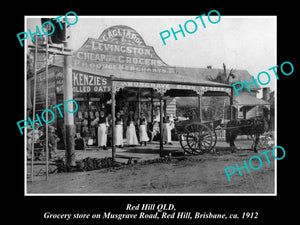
(89, 107)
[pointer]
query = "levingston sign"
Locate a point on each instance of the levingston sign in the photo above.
(119, 48)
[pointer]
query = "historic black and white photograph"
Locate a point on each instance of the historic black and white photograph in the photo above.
(150, 105)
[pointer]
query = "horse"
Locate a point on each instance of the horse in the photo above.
(255, 126)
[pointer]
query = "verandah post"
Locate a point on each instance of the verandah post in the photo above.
(113, 120)
(161, 147)
(199, 107)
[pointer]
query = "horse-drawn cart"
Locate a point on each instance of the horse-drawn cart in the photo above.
(198, 137)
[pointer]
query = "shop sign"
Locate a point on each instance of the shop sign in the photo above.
(119, 48)
(121, 34)
(59, 82)
(84, 82)
(163, 87)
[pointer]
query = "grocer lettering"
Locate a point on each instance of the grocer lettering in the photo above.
(120, 48)
(116, 66)
(115, 50)
(89, 56)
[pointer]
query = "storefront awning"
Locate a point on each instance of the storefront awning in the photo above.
(160, 82)
(163, 86)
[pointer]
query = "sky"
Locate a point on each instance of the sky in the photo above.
(241, 42)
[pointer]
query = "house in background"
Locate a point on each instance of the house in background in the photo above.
(270, 97)
(246, 105)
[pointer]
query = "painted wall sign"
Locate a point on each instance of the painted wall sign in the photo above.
(84, 82)
(119, 48)
(162, 88)
(41, 89)
(122, 35)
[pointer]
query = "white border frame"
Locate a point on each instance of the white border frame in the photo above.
(137, 194)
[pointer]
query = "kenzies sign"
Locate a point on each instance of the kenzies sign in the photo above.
(85, 82)
(119, 48)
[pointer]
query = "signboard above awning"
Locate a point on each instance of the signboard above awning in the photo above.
(162, 88)
(119, 48)
(120, 51)
(84, 82)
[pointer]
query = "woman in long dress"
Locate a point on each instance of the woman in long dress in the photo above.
(119, 130)
(143, 130)
(102, 131)
(130, 132)
(167, 130)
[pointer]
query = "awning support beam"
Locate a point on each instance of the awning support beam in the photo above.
(161, 146)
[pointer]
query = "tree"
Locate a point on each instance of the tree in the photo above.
(217, 106)
(222, 77)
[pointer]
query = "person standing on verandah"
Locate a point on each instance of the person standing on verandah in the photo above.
(102, 131)
(119, 130)
(131, 132)
(167, 130)
(143, 130)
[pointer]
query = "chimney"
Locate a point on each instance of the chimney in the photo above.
(266, 93)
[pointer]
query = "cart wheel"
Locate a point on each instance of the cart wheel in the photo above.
(214, 141)
(199, 138)
(184, 143)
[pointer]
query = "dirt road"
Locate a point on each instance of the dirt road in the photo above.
(203, 174)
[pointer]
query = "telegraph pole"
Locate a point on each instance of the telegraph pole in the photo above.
(69, 128)
(33, 109)
(47, 104)
(68, 117)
